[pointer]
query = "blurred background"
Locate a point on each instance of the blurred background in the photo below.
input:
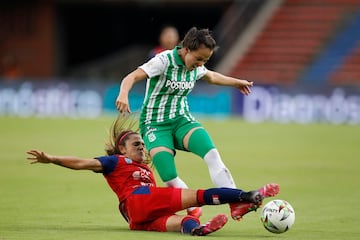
(67, 57)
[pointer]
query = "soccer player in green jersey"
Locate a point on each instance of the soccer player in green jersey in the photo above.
(166, 123)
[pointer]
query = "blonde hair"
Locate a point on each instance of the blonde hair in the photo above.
(120, 131)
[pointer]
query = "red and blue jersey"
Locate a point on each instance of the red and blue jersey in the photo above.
(125, 175)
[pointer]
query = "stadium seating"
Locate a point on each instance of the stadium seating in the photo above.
(292, 38)
(349, 72)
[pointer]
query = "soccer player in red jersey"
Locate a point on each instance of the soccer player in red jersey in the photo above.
(144, 205)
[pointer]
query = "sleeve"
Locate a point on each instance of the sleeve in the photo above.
(201, 71)
(108, 163)
(155, 66)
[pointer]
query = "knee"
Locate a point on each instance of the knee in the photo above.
(165, 165)
(206, 144)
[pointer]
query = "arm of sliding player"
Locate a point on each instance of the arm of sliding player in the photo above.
(76, 163)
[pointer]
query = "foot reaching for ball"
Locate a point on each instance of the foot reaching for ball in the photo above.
(253, 200)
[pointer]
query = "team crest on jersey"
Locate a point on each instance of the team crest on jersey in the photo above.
(151, 137)
(150, 134)
(128, 160)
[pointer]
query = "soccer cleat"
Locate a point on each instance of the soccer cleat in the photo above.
(196, 212)
(213, 225)
(253, 200)
(238, 210)
(252, 197)
(269, 190)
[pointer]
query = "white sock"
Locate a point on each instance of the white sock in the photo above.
(177, 183)
(220, 175)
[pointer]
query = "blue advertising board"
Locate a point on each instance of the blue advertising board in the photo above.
(265, 103)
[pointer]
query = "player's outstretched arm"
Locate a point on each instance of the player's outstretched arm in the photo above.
(36, 156)
(219, 79)
(122, 101)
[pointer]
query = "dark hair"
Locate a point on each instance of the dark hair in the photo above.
(194, 38)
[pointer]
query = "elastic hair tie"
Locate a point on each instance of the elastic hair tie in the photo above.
(123, 136)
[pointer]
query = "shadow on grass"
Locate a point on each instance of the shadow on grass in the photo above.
(81, 231)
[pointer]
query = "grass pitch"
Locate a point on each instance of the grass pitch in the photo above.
(317, 167)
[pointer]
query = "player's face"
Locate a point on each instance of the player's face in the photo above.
(197, 57)
(134, 148)
(169, 38)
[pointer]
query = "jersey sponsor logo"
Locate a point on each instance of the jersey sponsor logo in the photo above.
(142, 175)
(179, 85)
(147, 184)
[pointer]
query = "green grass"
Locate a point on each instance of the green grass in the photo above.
(317, 167)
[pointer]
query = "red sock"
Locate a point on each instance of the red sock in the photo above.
(200, 196)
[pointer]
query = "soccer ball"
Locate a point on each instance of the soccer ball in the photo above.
(278, 216)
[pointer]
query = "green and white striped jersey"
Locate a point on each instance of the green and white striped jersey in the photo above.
(167, 87)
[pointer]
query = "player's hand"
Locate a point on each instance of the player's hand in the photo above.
(122, 105)
(37, 156)
(244, 86)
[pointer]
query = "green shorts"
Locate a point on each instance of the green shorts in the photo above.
(168, 134)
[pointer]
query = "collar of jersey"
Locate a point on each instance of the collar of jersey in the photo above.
(177, 57)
